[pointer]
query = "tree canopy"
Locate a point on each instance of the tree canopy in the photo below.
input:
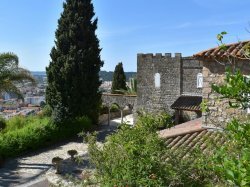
(73, 73)
(119, 79)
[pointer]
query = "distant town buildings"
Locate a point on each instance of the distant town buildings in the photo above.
(34, 96)
(106, 86)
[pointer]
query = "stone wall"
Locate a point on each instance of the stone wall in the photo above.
(177, 76)
(190, 70)
(219, 112)
(119, 99)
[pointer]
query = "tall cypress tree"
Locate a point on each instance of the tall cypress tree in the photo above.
(119, 79)
(73, 73)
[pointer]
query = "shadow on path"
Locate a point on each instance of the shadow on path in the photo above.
(27, 168)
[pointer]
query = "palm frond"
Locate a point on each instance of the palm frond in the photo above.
(11, 74)
(9, 87)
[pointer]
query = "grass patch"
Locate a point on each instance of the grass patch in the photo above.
(19, 122)
(31, 133)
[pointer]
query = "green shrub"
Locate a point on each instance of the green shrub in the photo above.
(18, 122)
(38, 133)
(160, 121)
(114, 108)
(15, 123)
(136, 156)
(2, 124)
(46, 111)
(105, 109)
(232, 159)
(128, 158)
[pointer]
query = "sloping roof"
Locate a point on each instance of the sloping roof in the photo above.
(191, 103)
(184, 128)
(190, 135)
(233, 50)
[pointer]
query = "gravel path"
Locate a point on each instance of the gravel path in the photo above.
(26, 170)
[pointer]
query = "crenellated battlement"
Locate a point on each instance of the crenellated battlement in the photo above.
(159, 55)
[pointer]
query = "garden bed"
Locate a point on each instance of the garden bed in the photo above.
(40, 133)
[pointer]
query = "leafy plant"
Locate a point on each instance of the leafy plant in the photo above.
(220, 39)
(232, 159)
(160, 121)
(236, 88)
(136, 156)
(46, 111)
(2, 123)
(19, 122)
(38, 133)
(105, 109)
(131, 90)
(129, 158)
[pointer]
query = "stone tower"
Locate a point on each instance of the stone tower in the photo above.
(162, 79)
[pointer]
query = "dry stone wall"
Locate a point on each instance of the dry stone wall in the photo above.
(219, 111)
(119, 99)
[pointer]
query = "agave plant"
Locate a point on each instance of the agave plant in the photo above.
(131, 89)
(11, 74)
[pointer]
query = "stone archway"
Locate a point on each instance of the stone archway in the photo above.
(121, 100)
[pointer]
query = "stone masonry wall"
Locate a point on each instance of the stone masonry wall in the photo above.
(219, 112)
(190, 70)
(177, 76)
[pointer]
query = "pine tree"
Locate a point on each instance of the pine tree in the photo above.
(119, 79)
(73, 73)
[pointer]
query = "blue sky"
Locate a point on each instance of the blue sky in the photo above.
(125, 28)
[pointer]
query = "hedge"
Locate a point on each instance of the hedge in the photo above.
(32, 137)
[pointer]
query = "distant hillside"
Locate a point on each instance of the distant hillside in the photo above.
(108, 75)
(105, 75)
(38, 73)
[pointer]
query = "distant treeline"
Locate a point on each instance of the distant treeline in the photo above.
(105, 75)
(108, 75)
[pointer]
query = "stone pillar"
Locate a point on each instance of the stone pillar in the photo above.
(121, 116)
(109, 115)
(177, 117)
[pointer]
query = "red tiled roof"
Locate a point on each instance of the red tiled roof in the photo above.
(9, 111)
(188, 127)
(235, 50)
(191, 103)
(190, 135)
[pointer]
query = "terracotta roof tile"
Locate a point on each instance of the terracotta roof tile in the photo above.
(191, 103)
(185, 137)
(233, 50)
(184, 128)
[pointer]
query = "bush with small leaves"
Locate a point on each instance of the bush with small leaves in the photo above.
(136, 156)
(2, 123)
(36, 133)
